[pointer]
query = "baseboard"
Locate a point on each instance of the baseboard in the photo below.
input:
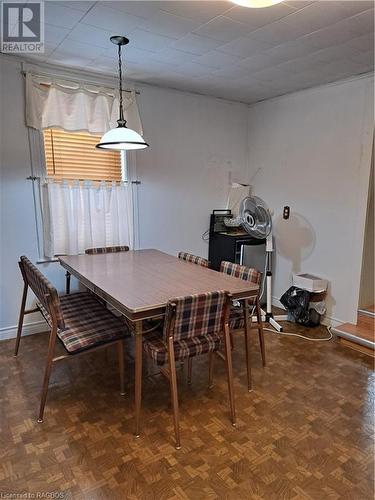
(10, 332)
(353, 338)
(276, 302)
(367, 313)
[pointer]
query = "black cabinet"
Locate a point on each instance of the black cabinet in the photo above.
(229, 246)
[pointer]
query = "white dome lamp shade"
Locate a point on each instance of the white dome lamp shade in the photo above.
(256, 4)
(121, 137)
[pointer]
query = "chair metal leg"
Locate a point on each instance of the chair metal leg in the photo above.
(190, 370)
(138, 375)
(210, 369)
(247, 346)
(260, 332)
(229, 367)
(47, 373)
(20, 319)
(121, 363)
(174, 394)
(67, 285)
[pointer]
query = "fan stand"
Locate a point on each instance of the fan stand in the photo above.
(267, 314)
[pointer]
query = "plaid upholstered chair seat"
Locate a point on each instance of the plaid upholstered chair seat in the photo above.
(195, 259)
(236, 319)
(99, 250)
(87, 323)
(155, 346)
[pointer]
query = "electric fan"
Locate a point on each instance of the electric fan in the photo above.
(256, 219)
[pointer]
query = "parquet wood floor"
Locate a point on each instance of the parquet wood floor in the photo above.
(305, 432)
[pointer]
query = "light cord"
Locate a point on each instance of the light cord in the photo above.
(121, 122)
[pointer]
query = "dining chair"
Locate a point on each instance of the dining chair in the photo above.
(240, 319)
(115, 249)
(189, 257)
(93, 251)
(79, 320)
(194, 325)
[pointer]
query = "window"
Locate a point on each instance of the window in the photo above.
(72, 155)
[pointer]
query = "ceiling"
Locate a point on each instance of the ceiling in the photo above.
(216, 48)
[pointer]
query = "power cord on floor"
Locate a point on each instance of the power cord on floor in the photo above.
(302, 336)
(288, 333)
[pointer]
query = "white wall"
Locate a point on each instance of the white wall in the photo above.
(17, 219)
(313, 149)
(195, 143)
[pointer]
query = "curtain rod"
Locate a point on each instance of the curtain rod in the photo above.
(37, 178)
(76, 80)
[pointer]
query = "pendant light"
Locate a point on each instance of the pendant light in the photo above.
(121, 137)
(256, 4)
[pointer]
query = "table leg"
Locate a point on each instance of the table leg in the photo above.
(138, 374)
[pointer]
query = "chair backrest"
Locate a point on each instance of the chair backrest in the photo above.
(243, 272)
(197, 315)
(189, 257)
(92, 251)
(44, 291)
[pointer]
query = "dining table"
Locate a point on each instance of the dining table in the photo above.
(139, 284)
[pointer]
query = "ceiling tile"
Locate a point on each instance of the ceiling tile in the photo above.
(299, 4)
(336, 52)
(111, 20)
(196, 44)
(193, 69)
(137, 8)
(270, 75)
(150, 41)
(352, 7)
(316, 16)
(132, 54)
(233, 72)
(258, 61)
(58, 15)
(244, 47)
(277, 33)
(85, 33)
(77, 5)
(170, 25)
(173, 56)
(223, 29)
(289, 50)
(54, 35)
(366, 58)
(216, 59)
(202, 11)
(362, 23)
(333, 35)
(363, 43)
(71, 47)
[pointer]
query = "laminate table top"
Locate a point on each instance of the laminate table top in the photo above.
(139, 283)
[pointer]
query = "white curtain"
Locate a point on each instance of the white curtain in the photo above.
(82, 215)
(73, 106)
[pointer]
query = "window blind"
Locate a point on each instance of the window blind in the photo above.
(72, 155)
